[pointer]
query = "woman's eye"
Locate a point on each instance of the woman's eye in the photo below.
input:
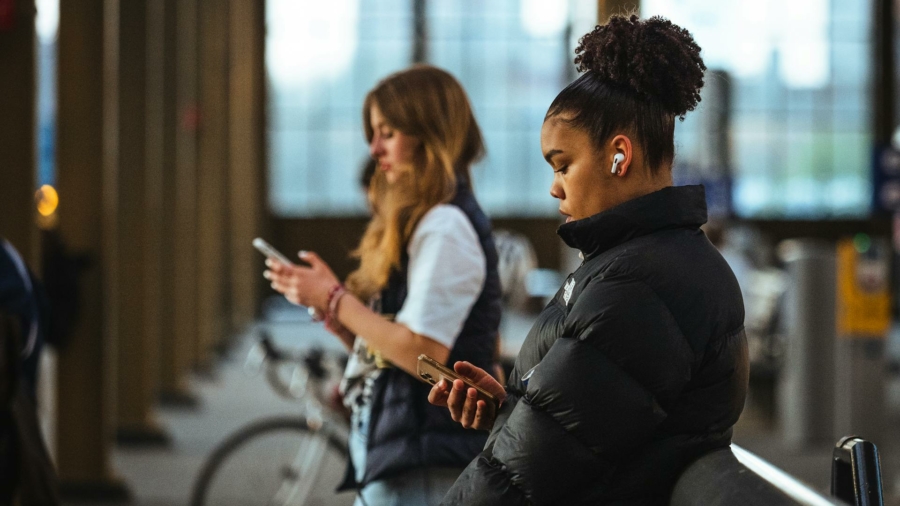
(387, 135)
(562, 170)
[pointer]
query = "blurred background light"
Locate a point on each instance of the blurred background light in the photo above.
(862, 243)
(310, 41)
(47, 21)
(745, 38)
(544, 18)
(802, 42)
(47, 200)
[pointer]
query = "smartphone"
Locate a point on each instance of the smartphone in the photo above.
(431, 371)
(269, 251)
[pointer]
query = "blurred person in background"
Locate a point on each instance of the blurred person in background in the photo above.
(427, 284)
(22, 295)
(639, 364)
(27, 475)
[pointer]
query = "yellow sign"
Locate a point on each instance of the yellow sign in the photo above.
(863, 289)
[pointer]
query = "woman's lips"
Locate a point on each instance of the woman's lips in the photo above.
(568, 218)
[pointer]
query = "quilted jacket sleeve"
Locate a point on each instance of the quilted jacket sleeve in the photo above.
(600, 391)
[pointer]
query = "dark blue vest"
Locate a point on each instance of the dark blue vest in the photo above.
(407, 432)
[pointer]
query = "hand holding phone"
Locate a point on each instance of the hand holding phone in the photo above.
(270, 252)
(431, 371)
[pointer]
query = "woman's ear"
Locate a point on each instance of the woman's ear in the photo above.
(621, 156)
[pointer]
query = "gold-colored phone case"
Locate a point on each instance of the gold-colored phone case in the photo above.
(431, 371)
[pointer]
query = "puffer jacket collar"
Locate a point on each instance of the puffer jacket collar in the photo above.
(671, 207)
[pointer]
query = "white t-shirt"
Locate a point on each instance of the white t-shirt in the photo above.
(445, 274)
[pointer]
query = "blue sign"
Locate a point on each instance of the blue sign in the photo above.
(886, 179)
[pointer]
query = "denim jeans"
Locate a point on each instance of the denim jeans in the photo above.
(424, 487)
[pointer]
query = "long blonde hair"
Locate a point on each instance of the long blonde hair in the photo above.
(429, 104)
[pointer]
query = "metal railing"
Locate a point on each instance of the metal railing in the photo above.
(735, 477)
(856, 472)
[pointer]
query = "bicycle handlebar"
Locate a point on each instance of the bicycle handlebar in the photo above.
(312, 363)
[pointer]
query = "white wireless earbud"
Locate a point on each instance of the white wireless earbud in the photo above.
(616, 161)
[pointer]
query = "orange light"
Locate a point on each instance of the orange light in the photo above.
(47, 200)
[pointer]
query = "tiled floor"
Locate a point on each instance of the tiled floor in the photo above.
(229, 399)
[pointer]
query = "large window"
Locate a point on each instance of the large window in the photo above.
(512, 57)
(783, 129)
(798, 77)
(322, 58)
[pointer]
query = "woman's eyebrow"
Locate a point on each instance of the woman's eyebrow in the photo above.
(550, 154)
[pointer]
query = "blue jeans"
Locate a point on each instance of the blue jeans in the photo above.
(424, 487)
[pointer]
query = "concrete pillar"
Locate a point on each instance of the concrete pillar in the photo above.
(137, 345)
(247, 154)
(806, 384)
(172, 386)
(212, 202)
(159, 161)
(179, 352)
(860, 393)
(606, 8)
(17, 131)
(87, 166)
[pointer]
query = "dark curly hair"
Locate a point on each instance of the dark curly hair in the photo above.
(638, 76)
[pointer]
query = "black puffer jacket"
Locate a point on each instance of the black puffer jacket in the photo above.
(636, 367)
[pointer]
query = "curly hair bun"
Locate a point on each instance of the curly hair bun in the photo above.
(654, 58)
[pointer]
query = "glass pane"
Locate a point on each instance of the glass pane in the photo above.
(513, 58)
(322, 58)
(796, 75)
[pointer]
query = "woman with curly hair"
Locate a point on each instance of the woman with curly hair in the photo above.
(427, 284)
(638, 365)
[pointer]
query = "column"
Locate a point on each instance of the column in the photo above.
(213, 323)
(86, 158)
(137, 344)
(17, 130)
(247, 154)
(179, 351)
(172, 387)
(159, 169)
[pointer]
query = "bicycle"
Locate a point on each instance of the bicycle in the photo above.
(281, 460)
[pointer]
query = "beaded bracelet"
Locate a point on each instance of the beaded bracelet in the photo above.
(334, 296)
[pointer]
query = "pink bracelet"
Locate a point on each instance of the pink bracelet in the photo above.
(334, 296)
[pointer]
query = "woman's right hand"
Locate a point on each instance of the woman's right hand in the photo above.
(463, 403)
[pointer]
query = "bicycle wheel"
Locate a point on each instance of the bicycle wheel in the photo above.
(279, 461)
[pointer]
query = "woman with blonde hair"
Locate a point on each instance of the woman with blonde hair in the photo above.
(427, 284)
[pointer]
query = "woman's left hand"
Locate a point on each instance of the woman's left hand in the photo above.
(463, 403)
(304, 286)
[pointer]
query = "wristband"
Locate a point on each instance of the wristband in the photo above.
(334, 296)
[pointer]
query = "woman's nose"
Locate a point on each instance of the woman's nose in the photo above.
(375, 147)
(556, 191)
